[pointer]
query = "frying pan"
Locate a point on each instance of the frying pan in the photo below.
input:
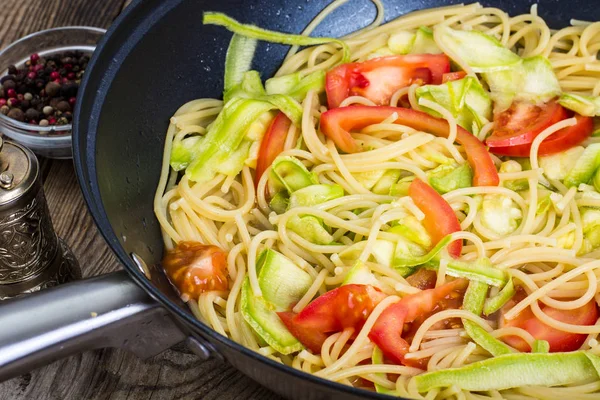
(155, 57)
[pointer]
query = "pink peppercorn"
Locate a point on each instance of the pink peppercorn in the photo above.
(2, 102)
(34, 58)
(31, 75)
(54, 75)
(72, 101)
(11, 93)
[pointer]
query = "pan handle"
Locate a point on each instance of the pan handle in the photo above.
(105, 311)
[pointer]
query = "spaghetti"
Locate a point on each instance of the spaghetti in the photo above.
(543, 253)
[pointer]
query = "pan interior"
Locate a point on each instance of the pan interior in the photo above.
(159, 56)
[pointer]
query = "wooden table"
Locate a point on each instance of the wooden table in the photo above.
(109, 373)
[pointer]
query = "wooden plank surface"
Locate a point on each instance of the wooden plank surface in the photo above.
(109, 373)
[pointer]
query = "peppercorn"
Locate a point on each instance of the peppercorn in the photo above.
(54, 101)
(4, 109)
(16, 114)
(11, 93)
(52, 89)
(44, 122)
(13, 102)
(25, 104)
(2, 102)
(12, 70)
(32, 114)
(62, 121)
(48, 110)
(68, 115)
(63, 106)
(28, 96)
(9, 84)
(69, 89)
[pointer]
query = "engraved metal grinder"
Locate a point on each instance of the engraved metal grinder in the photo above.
(32, 257)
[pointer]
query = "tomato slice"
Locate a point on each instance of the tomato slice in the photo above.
(559, 340)
(440, 219)
(389, 327)
(453, 76)
(379, 78)
(336, 124)
(272, 144)
(195, 268)
(522, 122)
(560, 141)
(348, 306)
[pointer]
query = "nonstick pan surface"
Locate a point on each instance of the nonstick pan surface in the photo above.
(156, 57)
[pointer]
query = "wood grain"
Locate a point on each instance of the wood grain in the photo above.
(109, 373)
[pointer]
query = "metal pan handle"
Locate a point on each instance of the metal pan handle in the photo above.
(105, 311)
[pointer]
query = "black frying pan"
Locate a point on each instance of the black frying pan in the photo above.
(155, 57)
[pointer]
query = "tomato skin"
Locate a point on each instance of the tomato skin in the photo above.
(336, 124)
(559, 341)
(440, 219)
(522, 122)
(272, 144)
(560, 141)
(422, 279)
(387, 330)
(195, 268)
(453, 76)
(347, 306)
(377, 79)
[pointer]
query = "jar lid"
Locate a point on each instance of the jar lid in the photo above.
(19, 170)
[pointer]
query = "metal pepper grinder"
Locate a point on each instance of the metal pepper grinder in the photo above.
(32, 257)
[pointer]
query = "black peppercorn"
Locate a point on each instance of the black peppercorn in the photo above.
(12, 70)
(52, 89)
(32, 114)
(25, 104)
(16, 114)
(69, 89)
(9, 84)
(54, 101)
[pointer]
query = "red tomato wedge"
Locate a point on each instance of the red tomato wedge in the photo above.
(559, 340)
(453, 76)
(555, 143)
(272, 144)
(379, 78)
(336, 124)
(440, 219)
(195, 268)
(348, 306)
(388, 329)
(522, 122)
